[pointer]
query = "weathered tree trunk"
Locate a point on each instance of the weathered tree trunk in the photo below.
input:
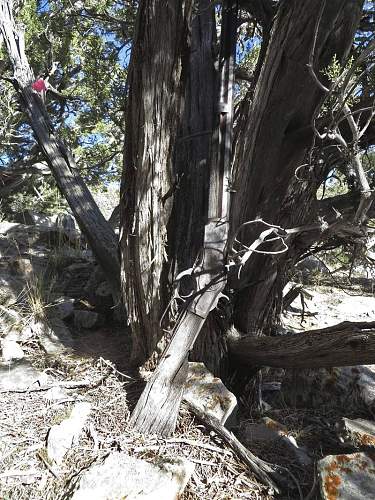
(345, 344)
(192, 150)
(191, 167)
(275, 139)
(97, 231)
(157, 409)
(270, 147)
(152, 120)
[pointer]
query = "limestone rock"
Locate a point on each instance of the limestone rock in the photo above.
(9, 321)
(29, 217)
(22, 266)
(349, 386)
(56, 394)
(65, 221)
(11, 350)
(347, 477)
(20, 376)
(53, 336)
(103, 297)
(41, 234)
(10, 286)
(209, 394)
(123, 476)
(87, 319)
(311, 265)
(357, 433)
(63, 436)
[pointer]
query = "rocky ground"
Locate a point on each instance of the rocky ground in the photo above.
(66, 392)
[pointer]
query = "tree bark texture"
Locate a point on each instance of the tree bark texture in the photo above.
(97, 231)
(157, 409)
(276, 137)
(345, 344)
(192, 151)
(152, 120)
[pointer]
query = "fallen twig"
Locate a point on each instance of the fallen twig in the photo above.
(205, 446)
(40, 456)
(113, 367)
(19, 473)
(268, 474)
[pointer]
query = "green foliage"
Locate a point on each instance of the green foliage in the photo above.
(334, 185)
(88, 43)
(334, 70)
(46, 197)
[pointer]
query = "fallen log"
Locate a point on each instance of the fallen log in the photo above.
(344, 344)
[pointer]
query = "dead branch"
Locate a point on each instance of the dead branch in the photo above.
(345, 344)
(265, 472)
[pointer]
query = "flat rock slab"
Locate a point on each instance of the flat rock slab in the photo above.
(54, 336)
(63, 436)
(209, 394)
(123, 476)
(26, 234)
(20, 376)
(63, 307)
(357, 433)
(347, 477)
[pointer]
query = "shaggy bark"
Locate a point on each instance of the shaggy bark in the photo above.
(157, 409)
(152, 119)
(97, 231)
(275, 140)
(345, 344)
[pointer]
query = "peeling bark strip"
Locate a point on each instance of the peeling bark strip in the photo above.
(345, 344)
(98, 232)
(157, 408)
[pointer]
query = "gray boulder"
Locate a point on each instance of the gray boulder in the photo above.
(122, 476)
(11, 350)
(270, 432)
(31, 218)
(63, 307)
(209, 394)
(20, 376)
(311, 265)
(349, 387)
(347, 477)
(63, 436)
(54, 336)
(358, 433)
(65, 221)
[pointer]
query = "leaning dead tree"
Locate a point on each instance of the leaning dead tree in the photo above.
(97, 231)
